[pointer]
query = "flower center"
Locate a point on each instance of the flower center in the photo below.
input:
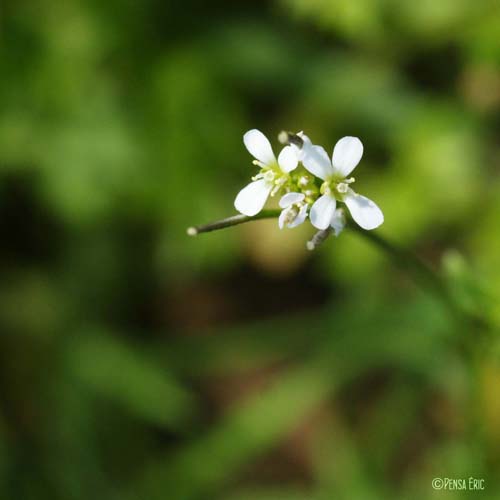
(336, 187)
(272, 174)
(269, 176)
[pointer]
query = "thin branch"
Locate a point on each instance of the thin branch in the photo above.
(232, 221)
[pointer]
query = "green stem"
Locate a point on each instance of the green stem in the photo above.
(231, 221)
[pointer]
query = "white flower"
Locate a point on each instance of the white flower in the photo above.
(274, 173)
(346, 155)
(294, 210)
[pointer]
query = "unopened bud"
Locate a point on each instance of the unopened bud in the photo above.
(318, 238)
(290, 138)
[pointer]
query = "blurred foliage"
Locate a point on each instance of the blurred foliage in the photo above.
(136, 363)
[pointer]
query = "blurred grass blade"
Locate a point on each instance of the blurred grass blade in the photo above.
(245, 433)
(133, 379)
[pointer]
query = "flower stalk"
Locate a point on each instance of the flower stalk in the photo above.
(234, 220)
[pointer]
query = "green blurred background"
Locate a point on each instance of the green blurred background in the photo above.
(138, 363)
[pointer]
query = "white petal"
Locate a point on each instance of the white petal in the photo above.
(252, 198)
(281, 218)
(287, 159)
(316, 161)
(301, 217)
(259, 146)
(291, 198)
(322, 211)
(338, 221)
(346, 155)
(363, 210)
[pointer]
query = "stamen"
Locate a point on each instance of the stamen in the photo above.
(278, 184)
(291, 214)
(258, 163)
(258, 176)
(275, 189)
(325, 188)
